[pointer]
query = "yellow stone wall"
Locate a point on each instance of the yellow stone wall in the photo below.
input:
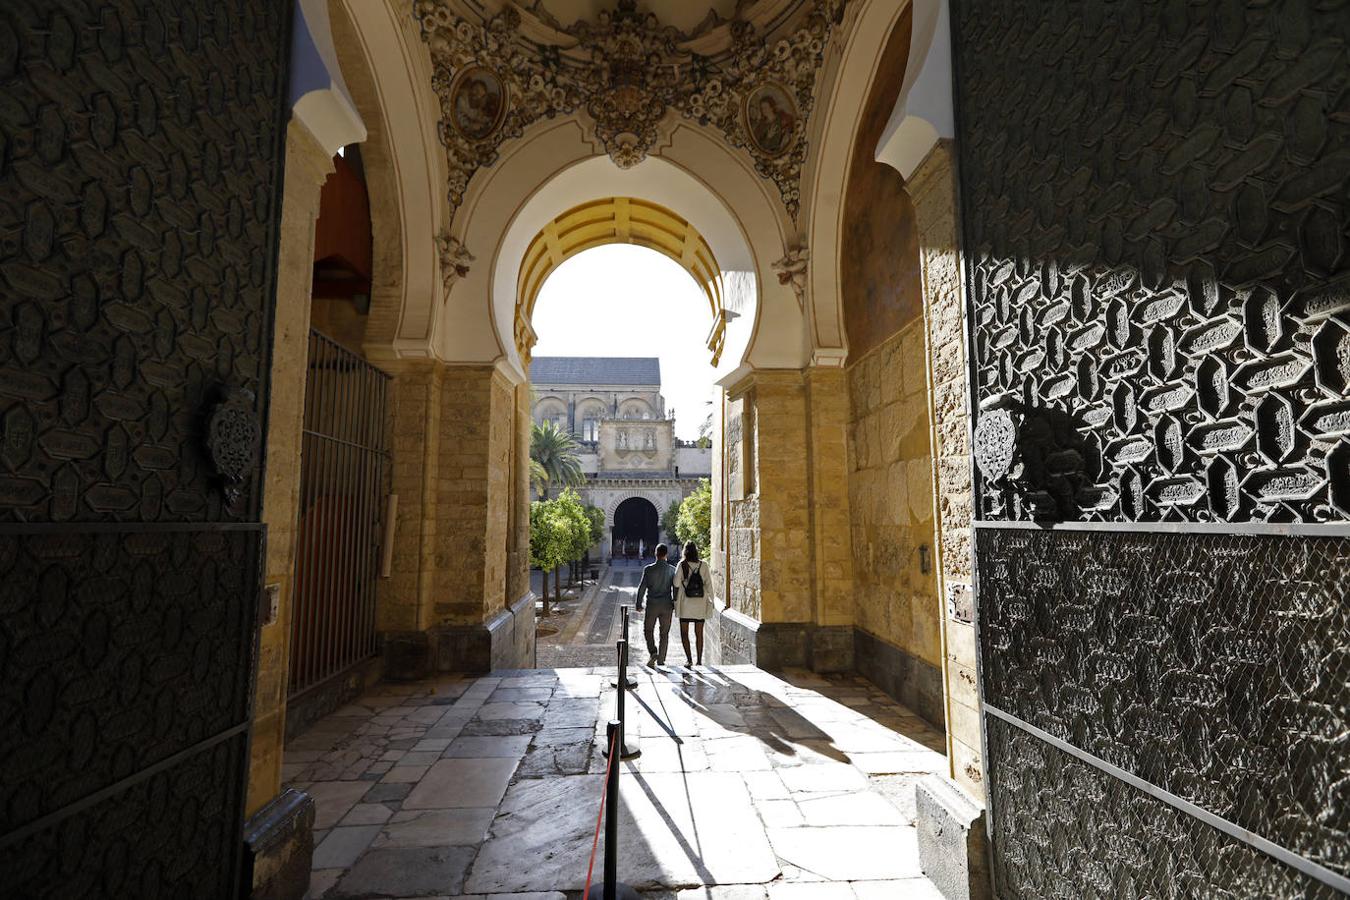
(518, 525)
(891, 496)
(403, 600)
(455, 428)
(459, 548)
(933, 191)
(340, 320)
(783, 493)
(718, 553)
(830, 505)
(741, 569)
(787, 507)
(307, 165)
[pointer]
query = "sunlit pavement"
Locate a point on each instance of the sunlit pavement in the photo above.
(750, 786)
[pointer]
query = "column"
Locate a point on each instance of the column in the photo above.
(933, 189)
(458, 548)
(307, 166)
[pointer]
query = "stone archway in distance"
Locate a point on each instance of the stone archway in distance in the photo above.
(636, 521)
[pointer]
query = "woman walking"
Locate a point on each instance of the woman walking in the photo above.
(692, 585)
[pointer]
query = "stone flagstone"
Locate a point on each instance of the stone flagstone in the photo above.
(750, 786)
(462, 783)
(674, 830)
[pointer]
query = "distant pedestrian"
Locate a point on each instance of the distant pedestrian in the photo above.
(656, 588)
(693, 601)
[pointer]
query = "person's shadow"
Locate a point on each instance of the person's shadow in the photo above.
(781, 728)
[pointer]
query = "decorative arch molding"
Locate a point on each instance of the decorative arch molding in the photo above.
(634, 402)
(923, 114)
(841, 104)
(613, 506)
(317, 92)
(388, 72)
(555, 167)
(617, 220)
(550, 402)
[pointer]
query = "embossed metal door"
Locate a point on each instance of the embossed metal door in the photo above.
(1155, 204)
(140, 168)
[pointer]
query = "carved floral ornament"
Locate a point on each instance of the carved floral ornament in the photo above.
(454, 259)
(626, 71)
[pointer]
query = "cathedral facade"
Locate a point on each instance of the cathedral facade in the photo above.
(635, 466)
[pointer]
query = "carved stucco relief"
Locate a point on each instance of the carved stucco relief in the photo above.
(625, 72)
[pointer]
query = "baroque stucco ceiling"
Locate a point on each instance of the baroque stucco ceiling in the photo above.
(745, 69)
(688, 16)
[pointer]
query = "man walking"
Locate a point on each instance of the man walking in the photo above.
(656, 587)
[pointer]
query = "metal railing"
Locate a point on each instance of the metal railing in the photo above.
(344, 472)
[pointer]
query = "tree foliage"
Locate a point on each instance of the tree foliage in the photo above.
(669, 520)
(550, 535)
(695, 519)
(597, 517)
(571, 510)
(555, 450)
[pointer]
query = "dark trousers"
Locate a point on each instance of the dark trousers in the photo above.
(663, 610)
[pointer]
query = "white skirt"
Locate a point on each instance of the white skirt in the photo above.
(697, 608)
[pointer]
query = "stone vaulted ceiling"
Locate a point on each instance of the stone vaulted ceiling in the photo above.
(745, 69)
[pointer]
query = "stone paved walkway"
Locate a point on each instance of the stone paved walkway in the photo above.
(591, 625)
(750, 786)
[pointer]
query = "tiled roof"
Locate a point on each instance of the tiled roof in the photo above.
(643, 370)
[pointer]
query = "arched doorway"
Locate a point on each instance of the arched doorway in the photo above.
(635, 527)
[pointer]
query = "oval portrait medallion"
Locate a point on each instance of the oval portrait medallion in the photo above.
(477, 102)
(771, 118)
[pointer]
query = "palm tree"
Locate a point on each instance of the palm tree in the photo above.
(556, 453)
(538, 478)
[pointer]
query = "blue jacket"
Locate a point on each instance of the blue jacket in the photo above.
(656, 582)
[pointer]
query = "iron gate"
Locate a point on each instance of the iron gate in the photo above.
(1154, 215)
(343, 488)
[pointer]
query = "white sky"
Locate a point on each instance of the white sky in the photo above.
(620, 300)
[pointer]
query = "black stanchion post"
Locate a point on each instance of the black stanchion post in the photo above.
(626, 750)
(613, 888)
(629, 679)
(612, 822)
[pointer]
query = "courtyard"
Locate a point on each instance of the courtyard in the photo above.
(583, 628)
(749, 785)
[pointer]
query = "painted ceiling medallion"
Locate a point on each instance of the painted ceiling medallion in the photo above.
(626, 71)
(771, 119)
(477, 102)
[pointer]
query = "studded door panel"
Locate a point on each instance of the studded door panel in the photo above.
(1155, 212)
(140, 169)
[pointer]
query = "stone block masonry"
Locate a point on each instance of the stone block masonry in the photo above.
(933, 190)
(459, 554)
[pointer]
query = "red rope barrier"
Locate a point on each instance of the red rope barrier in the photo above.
(595, 844)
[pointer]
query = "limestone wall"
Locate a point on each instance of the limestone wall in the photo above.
(403, 599)
(518, 525)
(340, 320)
(785, 563)
(694, 460)
(830, 503)
(307, 165)
(891, 499)
(472, 500)
(933, 189)
(461, 544)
